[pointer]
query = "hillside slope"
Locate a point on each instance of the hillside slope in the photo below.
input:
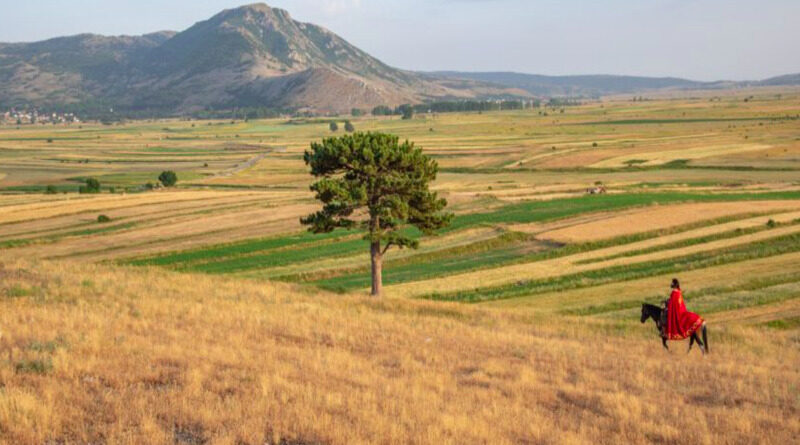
(787, 79)
(101, 354)
(253, 55)
(602, 84)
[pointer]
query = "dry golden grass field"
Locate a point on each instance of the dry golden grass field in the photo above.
(205, 314)
(100, 354)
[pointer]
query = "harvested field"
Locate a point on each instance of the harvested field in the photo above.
(170, 229)
(760, 314)
(565, 265)
(659, 217)
(664, 156)
(656, 288)
(90, 203)
(139, 212)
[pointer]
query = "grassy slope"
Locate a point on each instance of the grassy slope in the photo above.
(94, 353)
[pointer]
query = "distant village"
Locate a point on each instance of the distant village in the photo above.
(27, 116)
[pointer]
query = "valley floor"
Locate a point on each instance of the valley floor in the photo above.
(205, 314)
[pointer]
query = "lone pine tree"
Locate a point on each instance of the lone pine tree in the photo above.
(373, 182)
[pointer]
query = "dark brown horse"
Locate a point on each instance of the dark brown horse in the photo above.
(654, 312)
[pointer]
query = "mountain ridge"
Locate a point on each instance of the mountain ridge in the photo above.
(604, 84)
(252, 54)
(259, 56)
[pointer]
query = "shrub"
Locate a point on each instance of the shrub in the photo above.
(50, 190)
(168, 178)
(334, 127)
(406, 110)
(382, 110)
(594, 144)
(43, 346)
(49, 140)
(36, 366)
(92, 186)
(149, 186)
(103, 219)
(348, 127)
(771, 223)
(17, 290)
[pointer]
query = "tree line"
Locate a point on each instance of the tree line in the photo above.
(408, 110)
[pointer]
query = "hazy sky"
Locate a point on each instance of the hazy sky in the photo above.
(698, 39)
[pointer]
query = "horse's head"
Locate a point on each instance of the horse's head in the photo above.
(645, 313)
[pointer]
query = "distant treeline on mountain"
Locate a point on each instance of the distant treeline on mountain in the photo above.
(456, 106)
(476, 105)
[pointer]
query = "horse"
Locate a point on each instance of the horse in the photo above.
(654, 312)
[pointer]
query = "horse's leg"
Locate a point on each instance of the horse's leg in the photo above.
(691, 343)
(700, 343)
(705, 339)
(664, 343)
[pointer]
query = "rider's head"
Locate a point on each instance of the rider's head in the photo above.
(675, 284)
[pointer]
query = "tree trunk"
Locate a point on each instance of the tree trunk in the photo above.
(377, 280)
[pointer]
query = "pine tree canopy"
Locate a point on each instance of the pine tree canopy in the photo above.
(374, 182)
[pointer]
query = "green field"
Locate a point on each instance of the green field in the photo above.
(514, 179)
(777, 246)
(262, 256)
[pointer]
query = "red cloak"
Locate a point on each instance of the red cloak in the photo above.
(681, 324)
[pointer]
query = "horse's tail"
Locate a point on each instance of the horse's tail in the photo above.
(705, 338)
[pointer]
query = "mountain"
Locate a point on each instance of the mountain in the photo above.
(67, 69)
(602, 84)
(253, 55)
(788, 79)
(257, 56)
(585, 85)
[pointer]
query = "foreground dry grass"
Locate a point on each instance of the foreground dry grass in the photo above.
(94, 354)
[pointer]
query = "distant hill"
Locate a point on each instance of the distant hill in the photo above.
(601, 84)
(788, 79)
(249, 56)
(257, 56)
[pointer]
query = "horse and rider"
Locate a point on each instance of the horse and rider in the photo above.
(674, 322)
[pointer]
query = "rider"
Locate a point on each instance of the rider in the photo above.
(680, 323)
